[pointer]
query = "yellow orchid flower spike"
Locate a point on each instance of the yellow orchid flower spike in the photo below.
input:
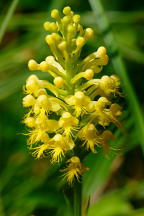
(64, 116)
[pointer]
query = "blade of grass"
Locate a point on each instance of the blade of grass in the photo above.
(2, 213)
(119, 67)
(115, 17)
(132, 54)
(7, 18)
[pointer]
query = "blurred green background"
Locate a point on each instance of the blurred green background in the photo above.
(116, 182)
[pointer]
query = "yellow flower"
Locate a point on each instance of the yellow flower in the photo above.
(110, 85)
(40, 151)
(74, 170)
(79, 102)
(64, 115)
(37, 135)
(68, 123)
(89, 135)
(59, 145)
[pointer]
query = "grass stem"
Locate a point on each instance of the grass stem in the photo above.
(7, 18)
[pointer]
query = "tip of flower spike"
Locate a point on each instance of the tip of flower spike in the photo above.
(32, 65)
(67, 10)
(55, 14)
(59, 82)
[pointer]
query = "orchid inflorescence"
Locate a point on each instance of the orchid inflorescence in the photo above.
(71, 114)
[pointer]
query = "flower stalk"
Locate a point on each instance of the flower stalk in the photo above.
(78, 199)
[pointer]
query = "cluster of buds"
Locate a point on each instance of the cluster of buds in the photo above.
(70, 115)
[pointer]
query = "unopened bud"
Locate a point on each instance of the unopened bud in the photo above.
(67, 10)
(59, 82)
(49, 39)
(32, 65)
(89, 33)
(52, 27)
(76, 18)
(55, 14)
(80, 41)
(101, 51)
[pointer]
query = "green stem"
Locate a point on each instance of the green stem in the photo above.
(77, 199)
(7, 18)
(119, 67)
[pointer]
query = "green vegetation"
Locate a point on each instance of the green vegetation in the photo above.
(114, 182)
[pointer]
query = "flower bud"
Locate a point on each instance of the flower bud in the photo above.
(50, 26)
(76, 18)
(55, 14)
(80, 41)
(101, 51)
(32, 84)
(32, 65)
(67, 10)
(49, 39)
(89, 33)
(59, 82)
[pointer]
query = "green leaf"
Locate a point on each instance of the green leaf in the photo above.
(110, 205)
